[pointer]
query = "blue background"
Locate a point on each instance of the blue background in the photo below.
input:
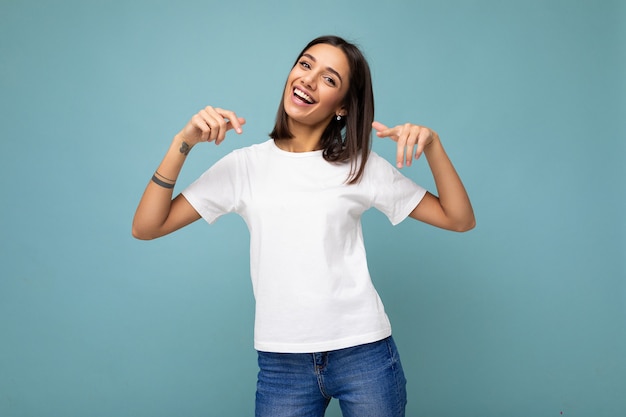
(523, 316)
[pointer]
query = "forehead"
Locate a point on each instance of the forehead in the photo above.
(330, 56)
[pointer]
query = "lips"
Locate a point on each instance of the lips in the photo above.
(302, 96)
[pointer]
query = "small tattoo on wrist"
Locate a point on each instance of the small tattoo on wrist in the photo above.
(185, 148)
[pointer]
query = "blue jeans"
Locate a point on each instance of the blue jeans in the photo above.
(367, 380)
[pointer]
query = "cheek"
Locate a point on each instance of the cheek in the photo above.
(334, 98)
(289, 81)
(293, 74)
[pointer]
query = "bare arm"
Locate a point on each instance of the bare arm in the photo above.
(452, 209)
(157, 213)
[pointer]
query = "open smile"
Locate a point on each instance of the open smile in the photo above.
(302, 96)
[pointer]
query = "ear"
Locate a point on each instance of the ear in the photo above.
(341, 111)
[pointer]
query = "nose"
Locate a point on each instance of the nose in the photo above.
(308, 80)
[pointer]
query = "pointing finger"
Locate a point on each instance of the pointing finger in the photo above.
(236, 123)
(232, 120)
(378, 126)
(382, 131)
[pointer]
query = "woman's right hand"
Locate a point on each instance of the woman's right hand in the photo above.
(157, 214)
(210, 124)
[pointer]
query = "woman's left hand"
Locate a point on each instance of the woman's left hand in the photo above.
(412, 140)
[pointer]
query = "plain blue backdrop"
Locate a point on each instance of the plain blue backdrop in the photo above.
(523, 316)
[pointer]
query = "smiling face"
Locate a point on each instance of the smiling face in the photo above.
(316, 86)
(312, 97)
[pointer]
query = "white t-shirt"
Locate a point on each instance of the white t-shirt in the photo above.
(308, 266)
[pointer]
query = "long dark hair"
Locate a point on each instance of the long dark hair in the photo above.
(348, 139)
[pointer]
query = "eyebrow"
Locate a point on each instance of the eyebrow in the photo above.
(330, 69)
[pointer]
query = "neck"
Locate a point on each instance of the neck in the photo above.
(298, 145)
(305, 138)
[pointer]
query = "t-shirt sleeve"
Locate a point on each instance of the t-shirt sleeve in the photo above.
(215, 192)
(393, 194)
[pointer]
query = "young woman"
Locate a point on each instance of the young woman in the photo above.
(320, 327)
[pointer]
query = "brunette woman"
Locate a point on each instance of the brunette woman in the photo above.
(320, 327)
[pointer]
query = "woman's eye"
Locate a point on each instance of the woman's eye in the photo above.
(330, 81)
(305, 64)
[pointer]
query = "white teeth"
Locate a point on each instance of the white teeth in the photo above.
(303, 95)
